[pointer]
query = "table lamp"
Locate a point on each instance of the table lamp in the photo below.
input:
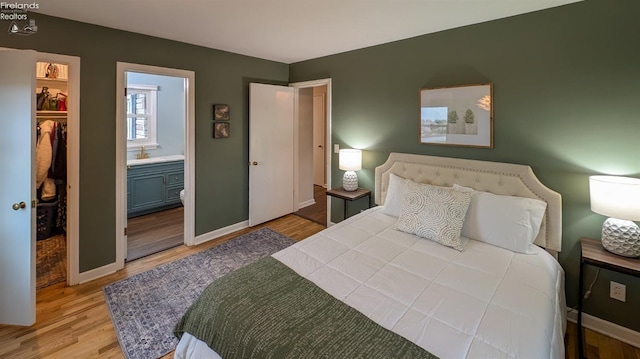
(350, 161)
(619, 199)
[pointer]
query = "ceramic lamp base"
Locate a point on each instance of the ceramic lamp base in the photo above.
(621, 237)
(350, 181)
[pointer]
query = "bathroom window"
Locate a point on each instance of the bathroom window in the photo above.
(141, 104)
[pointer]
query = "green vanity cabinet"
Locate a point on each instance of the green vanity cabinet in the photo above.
(154, 187)
(175, 184)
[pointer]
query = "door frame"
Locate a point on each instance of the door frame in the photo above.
(121, 153)
(296, 142)
(323, 99)
(73, 161)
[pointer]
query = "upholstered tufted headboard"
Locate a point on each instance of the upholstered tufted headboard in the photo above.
(499, 178)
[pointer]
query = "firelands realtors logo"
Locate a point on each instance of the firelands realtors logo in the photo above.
(16, 14)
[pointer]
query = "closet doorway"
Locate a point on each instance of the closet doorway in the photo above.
(51, 173)
(57, 169)
(154, 160)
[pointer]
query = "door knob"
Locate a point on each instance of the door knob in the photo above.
(17, 206)
(254, 163)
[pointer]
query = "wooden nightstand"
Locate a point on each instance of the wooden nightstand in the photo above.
(349, 196)
(592, 253)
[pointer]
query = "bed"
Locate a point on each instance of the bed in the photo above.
(372, 287)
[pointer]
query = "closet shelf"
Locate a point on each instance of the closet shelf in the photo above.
(56, 80)
(44, 113)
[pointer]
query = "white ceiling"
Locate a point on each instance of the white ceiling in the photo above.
(289, 30)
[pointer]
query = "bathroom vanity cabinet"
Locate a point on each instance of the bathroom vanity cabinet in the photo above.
(154, 187)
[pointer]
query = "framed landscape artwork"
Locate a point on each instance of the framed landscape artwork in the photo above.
(457, 116)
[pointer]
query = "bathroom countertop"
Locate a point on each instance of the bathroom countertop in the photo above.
(159, 159)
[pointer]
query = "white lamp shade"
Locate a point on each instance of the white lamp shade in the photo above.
(617, 197)
(350, 160)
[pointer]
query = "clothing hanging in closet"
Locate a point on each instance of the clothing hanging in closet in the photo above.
(51, 167)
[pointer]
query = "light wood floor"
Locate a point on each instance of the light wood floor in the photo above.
(597, 345)
(154, 232)
(74, 322)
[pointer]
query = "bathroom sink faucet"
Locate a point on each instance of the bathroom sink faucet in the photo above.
(142, 154)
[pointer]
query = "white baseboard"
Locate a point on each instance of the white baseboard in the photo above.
(97, 273)
(220, 232)
(112, 267)
(612, 330)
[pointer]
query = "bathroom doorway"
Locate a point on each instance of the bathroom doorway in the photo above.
(155, 120)
(155, 123)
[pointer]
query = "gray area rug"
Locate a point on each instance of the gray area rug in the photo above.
(144, 308)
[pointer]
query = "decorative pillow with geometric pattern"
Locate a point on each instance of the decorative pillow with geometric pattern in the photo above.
(435, 213)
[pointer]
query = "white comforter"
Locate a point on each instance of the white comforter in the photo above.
(483, 302)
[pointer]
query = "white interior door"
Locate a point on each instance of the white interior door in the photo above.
(319, 140)
(270, 152)
(17, 187)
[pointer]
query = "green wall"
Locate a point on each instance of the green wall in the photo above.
(565, 90)
(566, 98)
(221, 77)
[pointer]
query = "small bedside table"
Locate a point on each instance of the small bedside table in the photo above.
(339, 192)
(593, 253)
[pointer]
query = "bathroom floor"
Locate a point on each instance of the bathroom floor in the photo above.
(154, 232)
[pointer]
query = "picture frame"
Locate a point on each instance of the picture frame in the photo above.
(457, 116)
(221, 130)
(221, 112)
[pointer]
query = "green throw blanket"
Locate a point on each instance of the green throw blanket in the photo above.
(266, 310)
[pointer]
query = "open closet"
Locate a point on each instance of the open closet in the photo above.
(51, 173)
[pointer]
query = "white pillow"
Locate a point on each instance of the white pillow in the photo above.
(395, 195)
(435, 213)
(509, 222)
